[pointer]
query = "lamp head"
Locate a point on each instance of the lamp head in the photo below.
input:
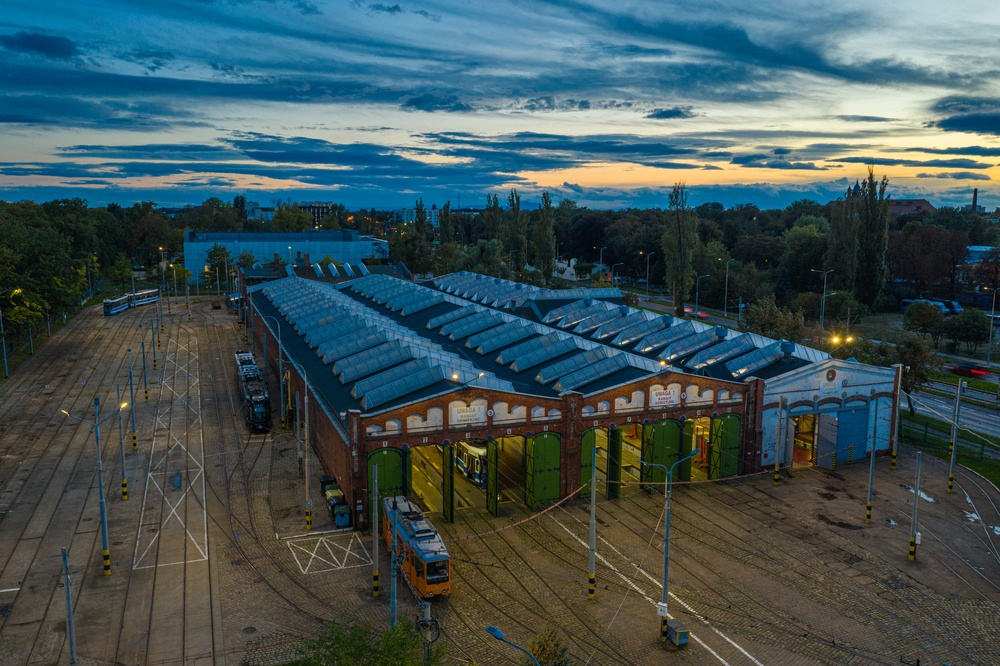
(123, 405)
(64, 412)
(494, 632)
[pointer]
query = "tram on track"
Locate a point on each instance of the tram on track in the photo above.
(470, 459)
(113, 306)
(420, 551)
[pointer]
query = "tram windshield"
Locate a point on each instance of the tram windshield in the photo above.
(437, 572)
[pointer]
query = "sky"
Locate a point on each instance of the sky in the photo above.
(605, 102)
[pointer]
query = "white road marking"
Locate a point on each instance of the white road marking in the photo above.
(338, 553)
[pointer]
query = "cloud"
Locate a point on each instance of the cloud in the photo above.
(957, 163)
(979, 151)
(864, 119)
(762, 161)
(956, 175)
(386, 9)
(57, 48)
(672, 112)
(431, 103)
(980, 123)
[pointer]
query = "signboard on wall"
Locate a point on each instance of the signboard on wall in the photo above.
(471, 414)
(664, 397)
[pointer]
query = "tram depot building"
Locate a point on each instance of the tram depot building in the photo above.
(526, 385)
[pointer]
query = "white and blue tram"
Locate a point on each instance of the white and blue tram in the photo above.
(470, 459)
(145, 297)
(113, 306)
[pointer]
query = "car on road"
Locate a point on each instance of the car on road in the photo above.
(967, 370)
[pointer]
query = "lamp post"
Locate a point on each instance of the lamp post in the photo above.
(662, 607)
(648, 255)
(613, 272)
(725, 297)
(600, 260)
(70, 628)
(305, 381)
(993, 311)
(100, 475)
(822, 302)
(822, 307)
(3, 336)
(281, 368)
(163, 267)
(697, 284)
(497, 634)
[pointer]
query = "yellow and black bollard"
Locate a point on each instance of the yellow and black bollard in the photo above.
(135, 444)
(189, 315)
(868, 513)
(951, 482)
(591, 585)
(913, 548)
(107, 562)
(892, 464)
(124, 490)
(309, 519)
(375, 583)
(777, 479)
(850, 452)
(145, 390)
(664, 629)
(833, 461)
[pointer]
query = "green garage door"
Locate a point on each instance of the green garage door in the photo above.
(448, 482)
(541, 479)
(661, 444)
(492, 477)
(724, 458)
(614, 483)
(588, 457)
(393, 471)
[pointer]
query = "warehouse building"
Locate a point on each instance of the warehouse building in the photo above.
(509, 391)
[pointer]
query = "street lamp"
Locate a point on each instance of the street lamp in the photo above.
(305, 381)
(100, 474)
(648, 255)
(497, 634)
(661, 608)
(822, 307)
(613, 272)
(3, 337)
(822, 302)
(600, 260)
(989, 347)
(725, 298)
(697, 284)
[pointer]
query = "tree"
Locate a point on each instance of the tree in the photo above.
(924, 318)
(677, 242)
(516, 236)
(364, 645)
(219, 260)
(873, 238)
(446, 226)
(971, 327)
(246, 259)
(420, 221)
(121, 271)
(492, 218)
(543, 238)
(289, 217)
(765, 318)
(918, 363)
(549, 650)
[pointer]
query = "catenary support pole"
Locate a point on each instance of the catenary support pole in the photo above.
(145, 384)
(913, 520)
(121, 444)
(592, 558)
(70, 625)
(897, 415)
(871, 467)
(375, 532)
(131, 392)
(954, 436)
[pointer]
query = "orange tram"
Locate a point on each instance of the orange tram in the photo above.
(420, 551)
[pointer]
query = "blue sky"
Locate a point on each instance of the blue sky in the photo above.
(607, 102)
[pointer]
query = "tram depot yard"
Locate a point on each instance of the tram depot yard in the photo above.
(211, 562)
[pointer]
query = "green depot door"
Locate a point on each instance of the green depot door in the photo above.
(724, 460)
(661, 444)
(541, 478)
(393, 467)
(448, 482)
(588, 457)
(614, 480)
(492, 477)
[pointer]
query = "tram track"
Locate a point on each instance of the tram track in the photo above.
(49, 467)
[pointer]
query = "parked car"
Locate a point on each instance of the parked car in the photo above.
(950, 307)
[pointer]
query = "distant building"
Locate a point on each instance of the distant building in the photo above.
(409, 216)
(342, 245)
(899, 207)
(256, 212)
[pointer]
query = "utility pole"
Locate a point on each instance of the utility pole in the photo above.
(70, 628)
(592, 559)
(954, 436)
(913, 520)
(121, 445)
(375, 531)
